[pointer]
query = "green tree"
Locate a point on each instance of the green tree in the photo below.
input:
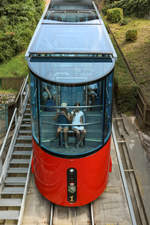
(18, 20)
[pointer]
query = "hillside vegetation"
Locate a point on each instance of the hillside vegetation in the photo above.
(15, 67)
(137, 51)
(18, 20)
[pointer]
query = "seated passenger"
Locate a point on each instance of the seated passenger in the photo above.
(77, 120)
(63, 118)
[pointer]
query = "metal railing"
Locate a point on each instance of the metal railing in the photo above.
(3, 119)
(16, 119)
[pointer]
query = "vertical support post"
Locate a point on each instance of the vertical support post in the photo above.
(0, 165)
(6, 116)
(38, 109)
(15, 119)
(21, 99)
(104, 106)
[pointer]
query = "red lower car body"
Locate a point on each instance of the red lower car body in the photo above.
(51, 175)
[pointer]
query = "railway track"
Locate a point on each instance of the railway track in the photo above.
(72, 214)
(122, 132)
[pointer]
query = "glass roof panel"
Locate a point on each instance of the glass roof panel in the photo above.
(71, 4)
(71, 38)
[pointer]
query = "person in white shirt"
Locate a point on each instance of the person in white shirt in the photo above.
(77, 122)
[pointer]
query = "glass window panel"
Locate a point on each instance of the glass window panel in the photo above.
(34, 108)
(71, 95)
(58, 111)
(61, 118)
(71, 16)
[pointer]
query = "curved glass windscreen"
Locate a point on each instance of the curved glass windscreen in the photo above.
(71, 120)
(71, 16)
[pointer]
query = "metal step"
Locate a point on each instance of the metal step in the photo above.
(28, 109)
(12, 190)
(9, 214)
(15, 180)
(19, 145)
(23, 137)
(25, 153)
(20, 161)
(25, 131)
(27, 120)
(27, 114)
(10, 202)
(17, 170)
(26, 125)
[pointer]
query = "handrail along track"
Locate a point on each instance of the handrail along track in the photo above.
(15, 162)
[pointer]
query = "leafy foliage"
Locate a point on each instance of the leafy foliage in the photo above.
(17, 23)
(131, 35)
(139, 8)
(123, 22)
(114, 15)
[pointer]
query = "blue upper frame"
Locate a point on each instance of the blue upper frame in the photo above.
(57, 37)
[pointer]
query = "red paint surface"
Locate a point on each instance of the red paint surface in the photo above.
(51, 175)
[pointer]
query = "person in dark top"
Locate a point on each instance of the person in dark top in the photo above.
(63, 118)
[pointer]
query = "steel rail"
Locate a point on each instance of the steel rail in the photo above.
(124, 178)
(91, 213)
(134, 188)
(51, 213)
(24, 194)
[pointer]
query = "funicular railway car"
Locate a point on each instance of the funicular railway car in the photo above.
(71, 61)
